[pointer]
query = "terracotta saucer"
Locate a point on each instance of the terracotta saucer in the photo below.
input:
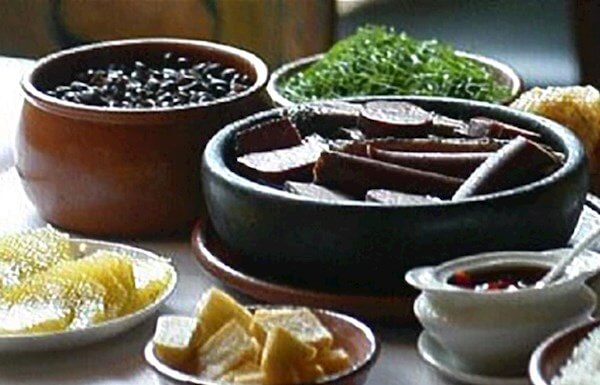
(228, 267)
(244, 275)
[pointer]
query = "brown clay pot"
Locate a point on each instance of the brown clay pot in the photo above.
(123, 172)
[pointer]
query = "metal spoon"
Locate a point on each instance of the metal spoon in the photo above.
(558, 270)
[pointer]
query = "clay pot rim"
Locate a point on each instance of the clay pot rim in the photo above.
(57, 106)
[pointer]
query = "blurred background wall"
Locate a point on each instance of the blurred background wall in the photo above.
(539, 38)
(277, 29)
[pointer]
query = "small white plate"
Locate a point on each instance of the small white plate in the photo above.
(170, 372)
(435, 355)
(68, 339)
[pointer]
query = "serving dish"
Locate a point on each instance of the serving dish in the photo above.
(503, 73)
(123, 171)
(494, 331)
(355, 337)
(441, 360)
(37, 342)
(553, 353)
(264, 285)
(362, 247)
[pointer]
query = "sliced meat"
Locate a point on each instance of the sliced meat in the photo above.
(396, 119)
(315, 191)
(520, 162)
(422, 145)
(278, 166)
(480, 127)
(267, 136)
(446, 126)
(458, 164)
(324, 117)
(356, 175)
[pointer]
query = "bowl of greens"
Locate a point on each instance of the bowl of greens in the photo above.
(377, 60)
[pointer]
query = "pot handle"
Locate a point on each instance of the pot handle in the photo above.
(421, 278)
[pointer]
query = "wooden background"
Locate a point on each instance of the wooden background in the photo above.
(278, 30)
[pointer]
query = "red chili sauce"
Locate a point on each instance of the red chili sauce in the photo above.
(498, 278)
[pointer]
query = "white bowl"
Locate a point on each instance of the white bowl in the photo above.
(494, 332)
(68, 339)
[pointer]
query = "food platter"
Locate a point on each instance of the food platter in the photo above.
(69, 339)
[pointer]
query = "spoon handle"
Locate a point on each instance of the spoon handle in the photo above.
(565, 261)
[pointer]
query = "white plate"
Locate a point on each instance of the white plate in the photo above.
(74, 338)
(170, 372)
(435, 355)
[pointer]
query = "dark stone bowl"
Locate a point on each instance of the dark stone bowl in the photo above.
(365, 247)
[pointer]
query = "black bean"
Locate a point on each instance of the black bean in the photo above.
(165, 96)
(152, 84)
(139, 85)
(216, 81)
(168, 85)
(208, 97)
(228, 73)
(186, 79)
(62, 89)
(199, 67)
(90, 97)
(147, 103)
(188, 87)
(139, 75)
(169, 73)
(108, 89)
(71, 96)
(182, 62)
(79, 86)
(212, 68)
(220, 91)
(202, 86)
(139, 66)
(245, 79)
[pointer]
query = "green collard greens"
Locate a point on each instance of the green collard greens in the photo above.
(378, 61)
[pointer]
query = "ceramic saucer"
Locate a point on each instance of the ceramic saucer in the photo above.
(439, 358)
(230, 268)
(68, 339)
